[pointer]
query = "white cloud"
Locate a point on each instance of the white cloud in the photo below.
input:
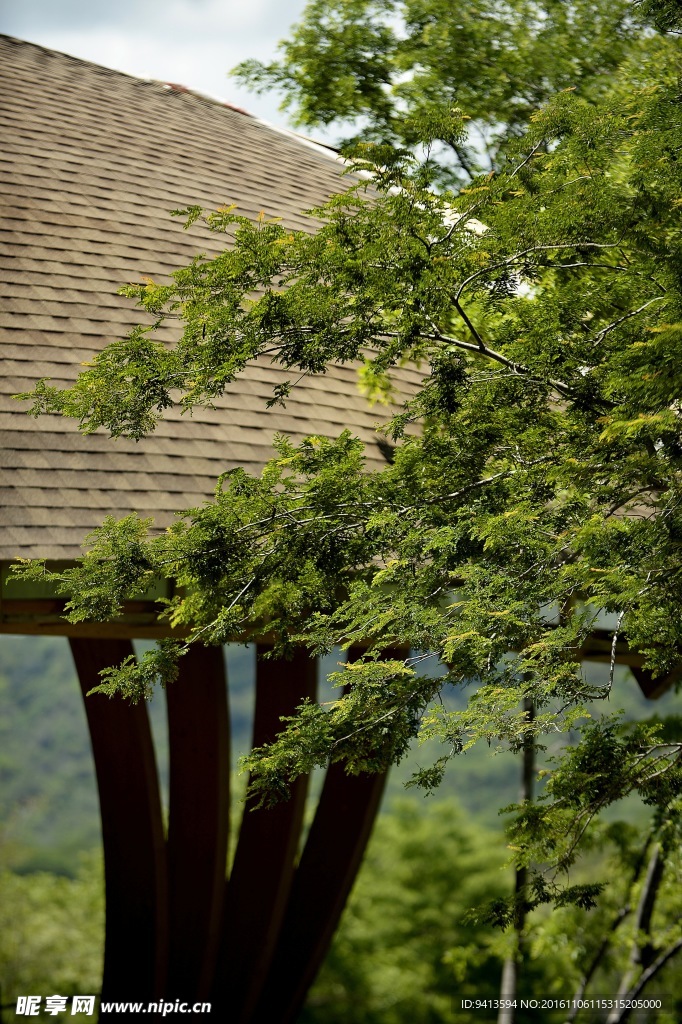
(192, 42)
(255, 16)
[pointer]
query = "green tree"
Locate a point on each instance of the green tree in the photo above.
(52, 933)
(634, 933)
(407, 951)
(379, 68)
(542, 298)
(403, 952)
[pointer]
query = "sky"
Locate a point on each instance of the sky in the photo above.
(190, 42)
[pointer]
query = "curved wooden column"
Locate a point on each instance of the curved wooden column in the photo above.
(135, 949)
(329, 863)
(198, 823)
(260, 880)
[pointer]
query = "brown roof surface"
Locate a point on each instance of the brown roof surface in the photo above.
(91, 164)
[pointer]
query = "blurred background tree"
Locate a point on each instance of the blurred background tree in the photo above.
(373, 70)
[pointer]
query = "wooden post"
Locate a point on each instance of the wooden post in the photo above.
(198, 826)
(135, 949)
(263, 867)
(255, 952)
(329, 863)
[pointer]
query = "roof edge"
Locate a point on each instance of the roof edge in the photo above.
(319, 147)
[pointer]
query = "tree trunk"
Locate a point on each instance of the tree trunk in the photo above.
(514, 962)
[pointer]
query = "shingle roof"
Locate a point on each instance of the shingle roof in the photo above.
(92, 161)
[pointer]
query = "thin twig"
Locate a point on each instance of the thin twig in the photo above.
(612, 662)
(626, 316)
(510, 260)
(642, 931)
(528, 158)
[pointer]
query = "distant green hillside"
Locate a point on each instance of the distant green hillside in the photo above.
(48, 794)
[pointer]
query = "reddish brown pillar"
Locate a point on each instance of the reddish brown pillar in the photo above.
(263, 866)
(329, 863)
(199, 742)
(135, 950)
(277, 919)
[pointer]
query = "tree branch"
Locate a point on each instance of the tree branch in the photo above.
(483, 350)
(624, 912)
(528, 158)
(627, 316)
(642, 949)
(517, 256)
(646, 977)
(596, 960)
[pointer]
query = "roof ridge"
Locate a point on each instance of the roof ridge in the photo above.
(71, 57)
(319, 147)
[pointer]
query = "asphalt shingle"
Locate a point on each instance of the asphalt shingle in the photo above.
(91, 164)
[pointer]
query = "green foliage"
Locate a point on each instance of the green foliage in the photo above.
(407, 950)
(135, 678)
(532, 268)
(402, 953)
(381, 69)
(52, 933)
(595, 950)
(664, 14)
(611, 761)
